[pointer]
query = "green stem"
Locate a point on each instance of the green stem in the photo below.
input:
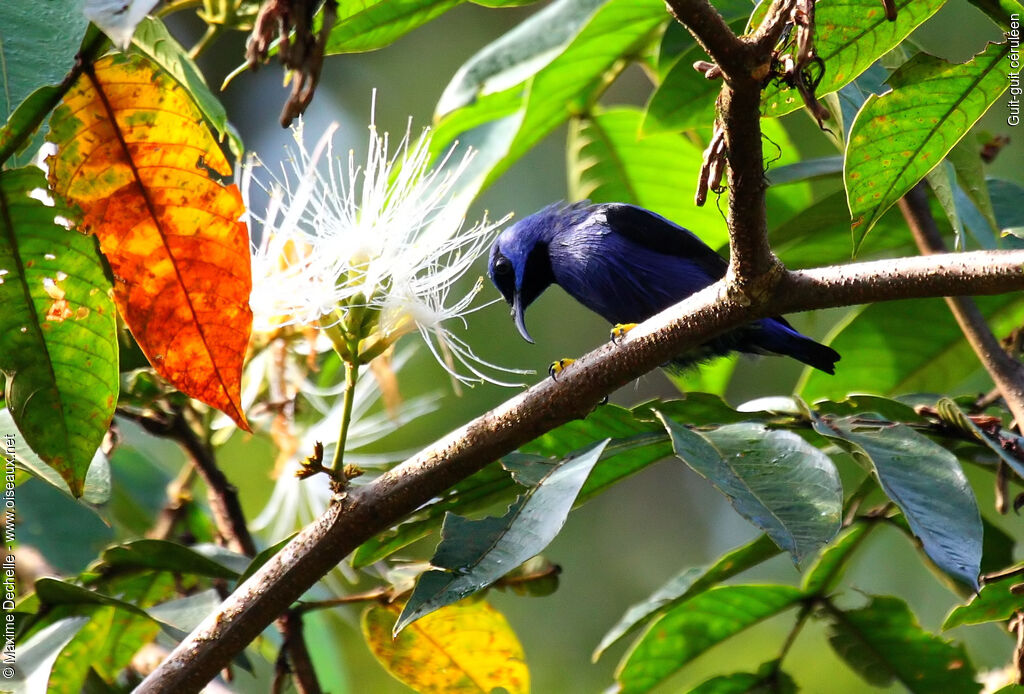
(337, 465)
(212, 32)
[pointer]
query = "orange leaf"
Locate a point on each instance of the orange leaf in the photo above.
(465, 648)
(137, 159)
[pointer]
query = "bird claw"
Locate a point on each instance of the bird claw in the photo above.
(556, 367)
(619, 331)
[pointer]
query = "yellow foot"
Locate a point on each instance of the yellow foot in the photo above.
(619, 331)
(557, 366)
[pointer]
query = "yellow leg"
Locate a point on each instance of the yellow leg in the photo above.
(557, 366)
(619, 331)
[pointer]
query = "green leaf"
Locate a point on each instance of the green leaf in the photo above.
(827, 569)
(900, 136)
(850, 35)
(373, 24)
(698, 409)
(916, 347)
(774, 479)
(97, 487)
(52, 591)
(113, 635)
(609, 163)
(1008, 205)
(518, 54)
(633, 444)
(685, 585)
(38, 43)
(692, 628)
(952, 414)
(38, 653)
(768, 679)
(160, 555)
(482, 490)
(822, 167)
(474, 554)
(966, 160)
(926, 482)
(153, 39)
(58, 342)
(999, 11)
(569, 84)
(883, 642)
(893, 410)
(995, 603)
(684, 100)
(942, 180)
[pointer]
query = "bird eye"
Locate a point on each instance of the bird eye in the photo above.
(502, 266)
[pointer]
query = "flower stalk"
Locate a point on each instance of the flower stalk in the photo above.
(338, 462)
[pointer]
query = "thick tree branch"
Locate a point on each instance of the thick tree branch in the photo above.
(1007, 373)
(745, 64)
(365, 511)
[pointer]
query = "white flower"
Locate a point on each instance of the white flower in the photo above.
(385, 241)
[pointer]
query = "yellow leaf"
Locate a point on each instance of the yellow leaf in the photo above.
(466, 648)
(135, 156)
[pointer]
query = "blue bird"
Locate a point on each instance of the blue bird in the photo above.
(626, 264)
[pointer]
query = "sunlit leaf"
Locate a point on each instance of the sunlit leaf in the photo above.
(773, 478)
(475, 553)
(154, 40)
(684, 586)
(685, 99)
(137, 159)
(695, 626)
(467, 648)
(565, 86)
(996, 602)
(899, 137)
(883, 642)
(808, 238)
(926, 354)
(926, 482)
(58, 342)
(518, 54)
(373, 24)
(608, 162)
(38, 42)
(827, 569)
(849, 36)
(113, 635)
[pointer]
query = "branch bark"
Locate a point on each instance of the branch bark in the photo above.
(365, 511)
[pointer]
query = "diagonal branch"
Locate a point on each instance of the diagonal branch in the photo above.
(1007, 373)
(365, 511)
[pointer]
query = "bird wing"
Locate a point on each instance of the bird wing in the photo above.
(654, 232)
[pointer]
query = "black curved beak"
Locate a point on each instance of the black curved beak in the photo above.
(518, 311)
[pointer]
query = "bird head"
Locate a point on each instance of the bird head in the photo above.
(520, 266)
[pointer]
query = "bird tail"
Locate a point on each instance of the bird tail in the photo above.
(777, 336)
